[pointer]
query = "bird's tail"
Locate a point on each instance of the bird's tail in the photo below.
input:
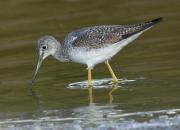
(154, 21)
(142, 27)
(147, 25)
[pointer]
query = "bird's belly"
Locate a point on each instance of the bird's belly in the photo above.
(94, 56)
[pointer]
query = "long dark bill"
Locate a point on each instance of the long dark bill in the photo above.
(37, 68)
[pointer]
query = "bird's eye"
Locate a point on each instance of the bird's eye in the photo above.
(44, 47)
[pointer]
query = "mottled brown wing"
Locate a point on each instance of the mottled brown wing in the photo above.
(100, 36)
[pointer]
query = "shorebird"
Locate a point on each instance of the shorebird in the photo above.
(91, 45)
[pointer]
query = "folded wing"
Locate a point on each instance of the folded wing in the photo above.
(101, 36)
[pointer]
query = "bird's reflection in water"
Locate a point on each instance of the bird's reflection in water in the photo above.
(91, 101)
(110, 94)
(36, 99)
(92, 111)
(95, 112)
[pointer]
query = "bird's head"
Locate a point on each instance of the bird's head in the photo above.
(47, 45)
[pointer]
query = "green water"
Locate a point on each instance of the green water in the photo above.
(154, 58)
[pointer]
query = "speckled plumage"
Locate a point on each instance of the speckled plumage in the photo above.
(101, 36)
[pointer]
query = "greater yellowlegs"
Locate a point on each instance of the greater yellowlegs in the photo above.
(91, 45)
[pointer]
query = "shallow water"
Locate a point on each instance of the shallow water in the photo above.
(149, 69)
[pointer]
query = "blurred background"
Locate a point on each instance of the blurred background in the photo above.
(152, 61)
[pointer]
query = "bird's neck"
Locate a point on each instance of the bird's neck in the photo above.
(60, 53)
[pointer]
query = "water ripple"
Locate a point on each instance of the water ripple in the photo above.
(98, 83)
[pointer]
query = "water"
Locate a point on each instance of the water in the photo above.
(98, 117)
(149, 69)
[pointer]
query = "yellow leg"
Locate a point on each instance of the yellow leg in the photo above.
(89, 77)
(112, 73)
(90, 85)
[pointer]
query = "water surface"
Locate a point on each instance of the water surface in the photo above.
(150, 101)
